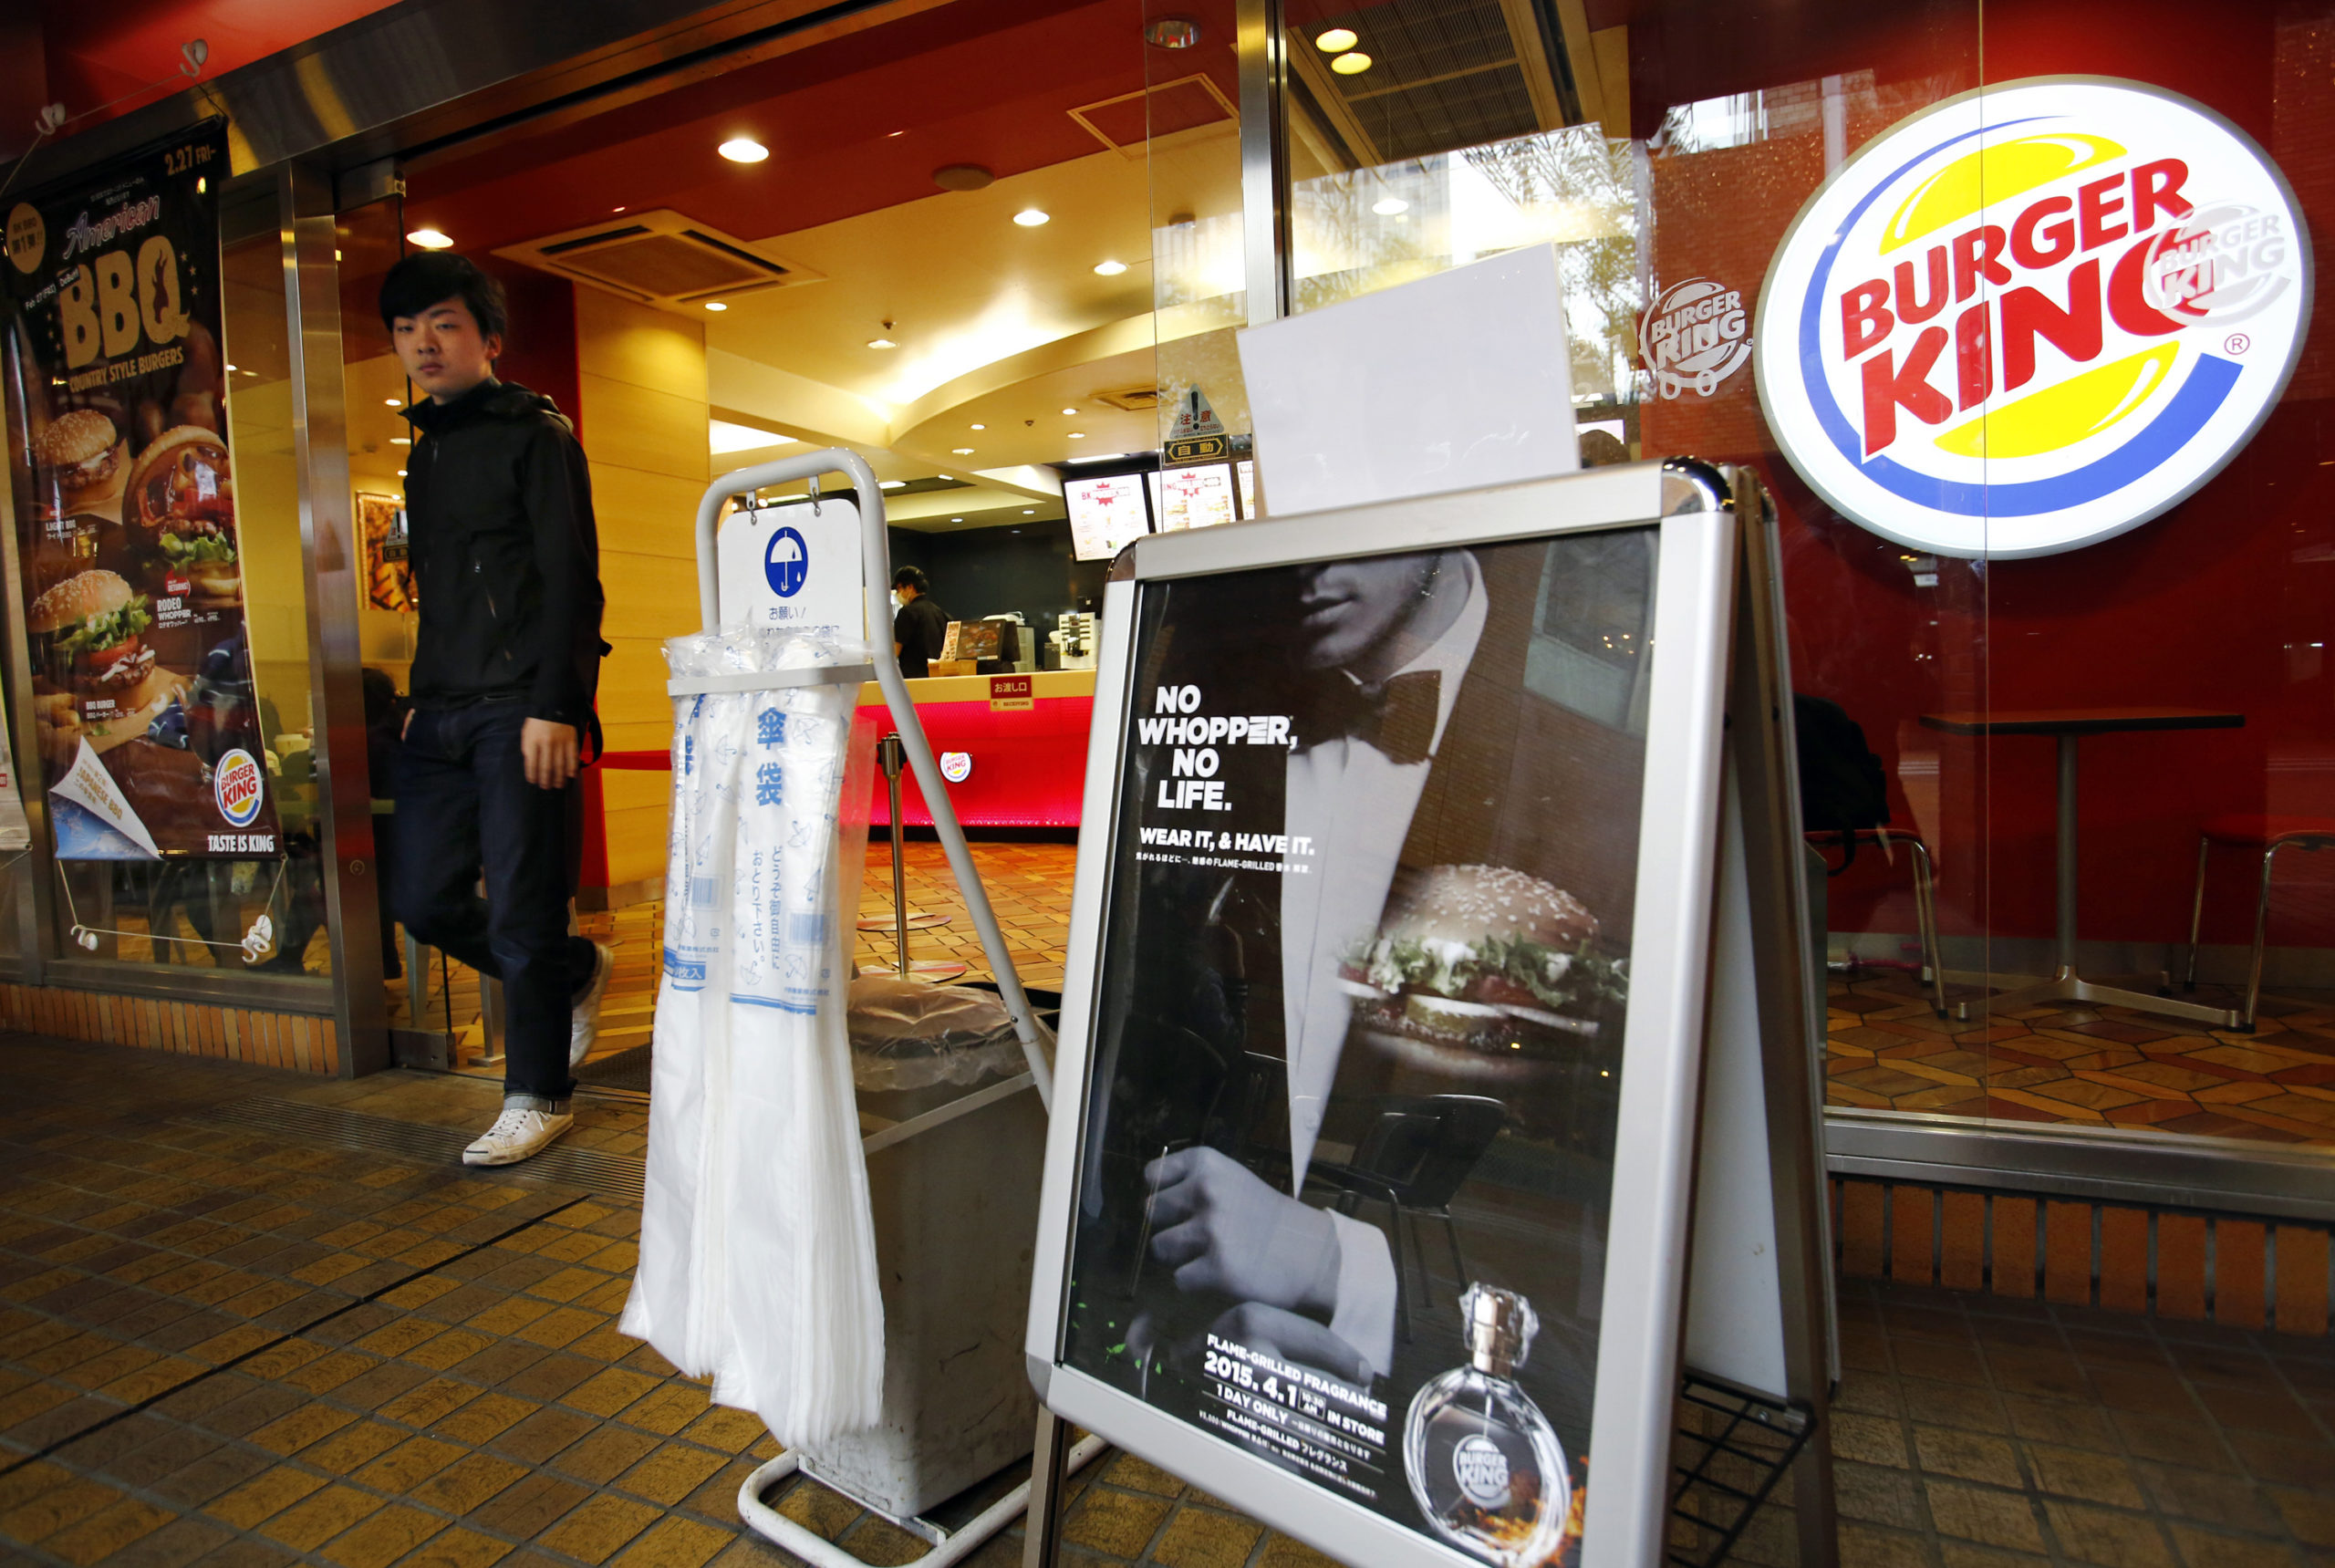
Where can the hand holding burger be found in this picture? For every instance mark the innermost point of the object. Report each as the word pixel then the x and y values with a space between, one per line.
pixel 89 639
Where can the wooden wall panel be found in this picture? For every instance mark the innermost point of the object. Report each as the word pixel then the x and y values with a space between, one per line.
pixel 642 382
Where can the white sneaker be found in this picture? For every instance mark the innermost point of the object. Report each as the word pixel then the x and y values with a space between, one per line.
pixel 517 1135
pixel 584 1020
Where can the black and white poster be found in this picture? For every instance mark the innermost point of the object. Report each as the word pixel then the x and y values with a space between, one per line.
pixel 1348 1148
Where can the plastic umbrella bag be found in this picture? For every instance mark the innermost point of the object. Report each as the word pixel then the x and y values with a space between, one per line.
pixel 676 1302
pixel 758 1263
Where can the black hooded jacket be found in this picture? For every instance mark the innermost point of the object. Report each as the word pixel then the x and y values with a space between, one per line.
pixel 506 556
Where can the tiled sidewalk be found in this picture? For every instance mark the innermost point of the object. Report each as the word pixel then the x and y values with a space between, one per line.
pixel 244 1351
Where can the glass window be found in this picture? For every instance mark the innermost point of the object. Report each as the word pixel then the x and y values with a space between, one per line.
pixel 195 913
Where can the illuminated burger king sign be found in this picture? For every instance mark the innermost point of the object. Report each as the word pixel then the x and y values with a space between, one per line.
pixel 2032 317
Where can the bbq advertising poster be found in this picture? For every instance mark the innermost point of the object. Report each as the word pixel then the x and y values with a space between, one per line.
pixel 1358 1048
pixel 116 385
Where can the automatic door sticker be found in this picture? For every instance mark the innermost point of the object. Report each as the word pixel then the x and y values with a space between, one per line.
pixel 1697 336
pixel 2033 316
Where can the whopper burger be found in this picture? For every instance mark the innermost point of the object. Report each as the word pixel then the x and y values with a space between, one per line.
pixel 97 679
pixel 1483 956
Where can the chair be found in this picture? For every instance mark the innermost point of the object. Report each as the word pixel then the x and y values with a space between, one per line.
pixel 2267 834
pixel 1413 1158
pixel 1924 893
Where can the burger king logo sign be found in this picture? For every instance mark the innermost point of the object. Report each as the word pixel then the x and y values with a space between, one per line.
pixel 235 784
pixel 2032 317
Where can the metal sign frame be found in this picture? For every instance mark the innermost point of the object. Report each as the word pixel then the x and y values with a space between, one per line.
pixel 1637 1361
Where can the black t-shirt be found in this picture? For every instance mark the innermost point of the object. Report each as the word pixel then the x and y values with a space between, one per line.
pixel 920 629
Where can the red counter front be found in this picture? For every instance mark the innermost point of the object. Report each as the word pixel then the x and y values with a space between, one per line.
pixel 1026 767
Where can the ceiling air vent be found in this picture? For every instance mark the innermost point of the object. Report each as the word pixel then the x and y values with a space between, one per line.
pixel 1134 399
pixel 660 258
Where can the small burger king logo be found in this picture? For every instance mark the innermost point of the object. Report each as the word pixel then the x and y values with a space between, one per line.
pixel 237 785
pixel 2033 316
pixel 1697 336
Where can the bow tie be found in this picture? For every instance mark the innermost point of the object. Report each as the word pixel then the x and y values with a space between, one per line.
pixel 1398 716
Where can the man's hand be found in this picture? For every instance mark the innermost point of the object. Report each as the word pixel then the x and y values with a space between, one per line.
pixel 1286 1337
pixel 1222 1228
pixel 549 752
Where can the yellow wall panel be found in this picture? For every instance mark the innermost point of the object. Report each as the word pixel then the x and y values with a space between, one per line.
pixel 636 844
pixel 654 429
pixel 642 384
pixel 654 513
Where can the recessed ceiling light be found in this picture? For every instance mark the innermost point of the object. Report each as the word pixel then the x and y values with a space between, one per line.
pixel 980 427
pixel 1078 435
pixel 615 209
pixel 1387 206
pixel 1336 41
pixel 400 441
pixel 890 134
pixel 231 367
pixel 1351 64
pixel 743 150
pixel 960 451
pixel 1109 268
pixel 881 343
pixel 1030 217
pixel 401 474
pixel 1029 511
pixel 715 304
pixel 430 239
pixel 956 520
pixel 891 483
pixel 394 402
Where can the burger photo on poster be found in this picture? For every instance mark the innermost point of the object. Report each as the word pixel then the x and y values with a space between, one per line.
pixel 180 505
pixel 79 453
pixel 1482 959
pixel 96 678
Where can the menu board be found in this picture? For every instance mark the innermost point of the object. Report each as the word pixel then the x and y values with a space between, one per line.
pixel 125 502
pixel 1199 497
pixel 1106 514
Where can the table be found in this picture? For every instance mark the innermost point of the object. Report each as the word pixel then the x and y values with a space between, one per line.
pixel 2068 726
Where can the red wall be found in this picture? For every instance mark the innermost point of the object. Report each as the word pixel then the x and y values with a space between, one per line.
pixel 2213 605
pixel 87 53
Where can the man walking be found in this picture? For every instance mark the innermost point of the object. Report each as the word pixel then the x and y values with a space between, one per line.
pixel 506 569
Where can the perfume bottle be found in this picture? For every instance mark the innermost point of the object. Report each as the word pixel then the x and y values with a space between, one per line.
pixel 1484 1463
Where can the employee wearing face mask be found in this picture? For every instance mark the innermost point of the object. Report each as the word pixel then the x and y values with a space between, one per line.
pixel 920 627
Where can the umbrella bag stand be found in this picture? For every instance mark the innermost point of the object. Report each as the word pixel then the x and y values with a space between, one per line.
pixel 952 1171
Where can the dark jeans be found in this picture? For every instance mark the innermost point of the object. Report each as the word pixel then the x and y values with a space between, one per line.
pixel 464 803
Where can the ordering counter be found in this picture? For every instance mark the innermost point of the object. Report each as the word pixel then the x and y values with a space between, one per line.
pixel 1012 747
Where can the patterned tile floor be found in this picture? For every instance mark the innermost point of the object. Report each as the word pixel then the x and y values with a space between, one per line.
pixel 242 1351
pixel 2096 1066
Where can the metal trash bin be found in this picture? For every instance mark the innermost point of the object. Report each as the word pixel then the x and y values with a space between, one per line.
pixel 954 1173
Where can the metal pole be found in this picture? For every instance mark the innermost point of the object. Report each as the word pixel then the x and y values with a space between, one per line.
pixel 346 860
pixel 2067 854
pixel 1260 47
pixel 888 753
pixel 1042 1533
pixel 877 574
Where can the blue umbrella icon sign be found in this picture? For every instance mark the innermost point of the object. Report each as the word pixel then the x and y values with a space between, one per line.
pixel 786 562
